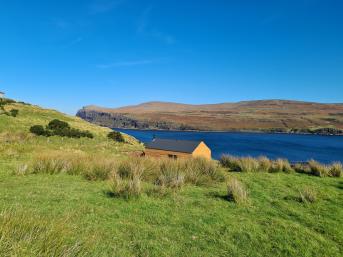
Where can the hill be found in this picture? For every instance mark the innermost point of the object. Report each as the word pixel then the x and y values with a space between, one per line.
pixel 16 130
pixel 264 115
pixel 65 196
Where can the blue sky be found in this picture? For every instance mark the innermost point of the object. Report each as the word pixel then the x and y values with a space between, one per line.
pixel 67 54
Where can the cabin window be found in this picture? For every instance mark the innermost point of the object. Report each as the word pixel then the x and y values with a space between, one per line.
pixel 172 156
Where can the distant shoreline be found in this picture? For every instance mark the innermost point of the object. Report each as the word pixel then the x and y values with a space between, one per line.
pixel 231 131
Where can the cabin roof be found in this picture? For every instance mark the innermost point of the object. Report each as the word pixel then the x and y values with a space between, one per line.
pixel 183 146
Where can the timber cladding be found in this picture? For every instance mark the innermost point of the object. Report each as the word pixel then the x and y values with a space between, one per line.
pixel 177 149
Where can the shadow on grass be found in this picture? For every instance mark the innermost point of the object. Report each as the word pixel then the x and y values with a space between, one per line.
pixel 340 185
pixel 293 198
pixel 219 196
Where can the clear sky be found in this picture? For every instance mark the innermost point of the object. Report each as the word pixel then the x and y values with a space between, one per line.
pixel 69 53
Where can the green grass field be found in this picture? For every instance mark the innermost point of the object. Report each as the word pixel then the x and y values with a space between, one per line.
pixel 67 215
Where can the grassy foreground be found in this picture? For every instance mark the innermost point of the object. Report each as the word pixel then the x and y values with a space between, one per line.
pixel 67 215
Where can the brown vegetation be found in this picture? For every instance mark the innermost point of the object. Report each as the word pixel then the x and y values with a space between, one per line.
pixel 267 115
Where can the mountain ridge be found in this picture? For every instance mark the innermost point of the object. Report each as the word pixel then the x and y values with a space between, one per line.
pixel 257 115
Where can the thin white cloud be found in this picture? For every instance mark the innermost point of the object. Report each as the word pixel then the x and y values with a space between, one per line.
pixel 125 64
pixel 145 28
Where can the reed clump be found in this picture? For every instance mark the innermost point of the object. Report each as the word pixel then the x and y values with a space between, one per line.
pixel 263 164
pixel 307 195
pixel 236 191
pixel 318 169
pixel 249 164
pixel 282 165
pixel 336 170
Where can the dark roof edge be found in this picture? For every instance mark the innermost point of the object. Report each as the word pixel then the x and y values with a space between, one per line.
pixel 169 150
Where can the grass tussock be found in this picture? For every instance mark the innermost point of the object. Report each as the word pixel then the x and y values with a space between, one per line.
pixel 236 191
pixel 163 175
pixel 263 164
pixel 130 187
pixel 25 234
pixel 92 168
pixel 307 195
pixel 336 170
pixel 249 164
pixel 282 165
pixel 318 169
pixel 126 176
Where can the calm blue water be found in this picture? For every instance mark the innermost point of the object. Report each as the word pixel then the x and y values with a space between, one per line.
pixel 293 147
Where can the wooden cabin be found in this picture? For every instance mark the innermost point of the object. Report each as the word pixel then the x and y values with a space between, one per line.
pixel 177 149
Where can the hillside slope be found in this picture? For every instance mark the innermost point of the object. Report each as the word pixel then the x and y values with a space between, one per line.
pixel 264 115
pixel 17 143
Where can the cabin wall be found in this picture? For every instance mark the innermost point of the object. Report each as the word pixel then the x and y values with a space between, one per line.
pixel 202 151
pixel 162 153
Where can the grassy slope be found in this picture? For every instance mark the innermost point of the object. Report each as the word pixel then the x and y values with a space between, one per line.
pixel 195 222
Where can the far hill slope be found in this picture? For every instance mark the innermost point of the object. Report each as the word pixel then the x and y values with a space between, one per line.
pixel 264 115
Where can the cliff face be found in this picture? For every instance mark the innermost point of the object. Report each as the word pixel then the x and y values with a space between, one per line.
pixel 118 120
pixel 266 115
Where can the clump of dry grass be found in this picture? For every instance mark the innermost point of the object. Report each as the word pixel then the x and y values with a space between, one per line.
pixel 92 168
pixel 126 188
pixel 14 137
pixel 99 170
pixel 264 163
pixel 249 164
pixel 244 164
pixel 236 191
pixel 281 165
pixel 318 169
pixel 336 170
pixel 302 168
pixel 23 234
pixel 307 195
pixel 21 170
pixel 171 174
pixel 230 162
pixel 200 171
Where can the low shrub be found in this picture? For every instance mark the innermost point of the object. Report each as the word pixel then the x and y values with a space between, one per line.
pixel 307 195
pixel 236 191
pixel 38 130
pixel 318 169
pixel 336 170
pixel 116 136
pixel 14 112
pixel 57 125
pixel 59 128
